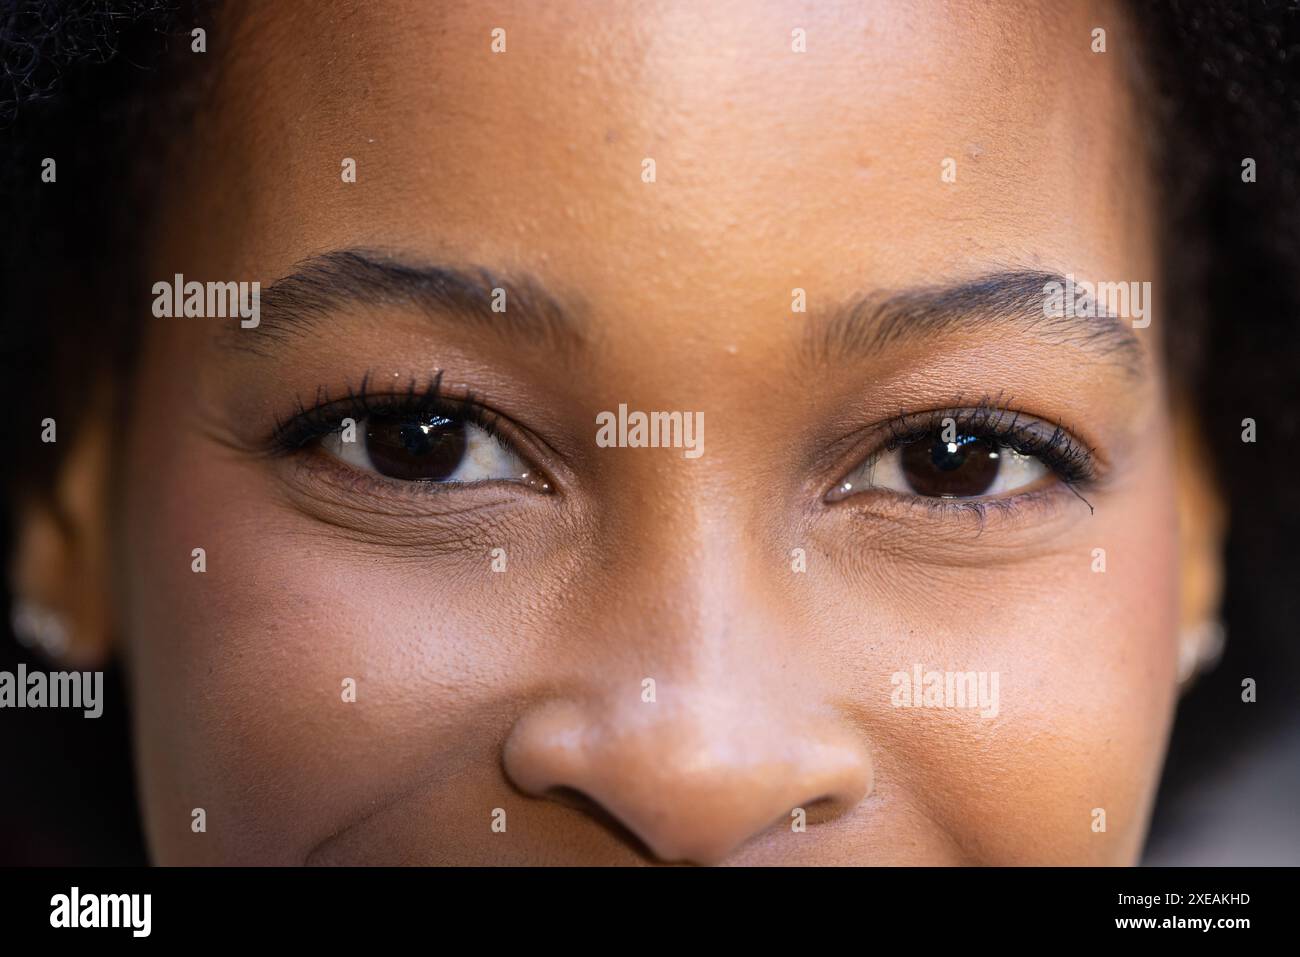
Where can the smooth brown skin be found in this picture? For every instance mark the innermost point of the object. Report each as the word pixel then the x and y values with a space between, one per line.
pixel 478 690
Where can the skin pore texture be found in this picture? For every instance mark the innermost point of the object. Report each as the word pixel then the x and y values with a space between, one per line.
pixel 522 690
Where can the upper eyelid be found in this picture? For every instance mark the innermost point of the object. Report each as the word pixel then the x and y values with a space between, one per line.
pixel 294 431
pixel 977 418
pixel 998 418
pixel 858 449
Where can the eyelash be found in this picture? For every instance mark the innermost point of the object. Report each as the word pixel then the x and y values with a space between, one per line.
pixel 325 416
pixel 1074 463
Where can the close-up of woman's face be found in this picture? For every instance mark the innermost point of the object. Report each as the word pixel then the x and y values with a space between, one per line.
pixel 665 433
pixel 483 632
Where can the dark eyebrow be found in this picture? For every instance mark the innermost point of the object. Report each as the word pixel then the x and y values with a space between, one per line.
pixel 323 285
pixel 996 301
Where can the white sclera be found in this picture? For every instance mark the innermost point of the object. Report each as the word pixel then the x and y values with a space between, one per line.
pixel 1016 471
pixel 486 458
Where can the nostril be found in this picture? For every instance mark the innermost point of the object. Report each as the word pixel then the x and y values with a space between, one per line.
pixel 682 788
pixel 821 809
pixel 572 797
pixel 581 801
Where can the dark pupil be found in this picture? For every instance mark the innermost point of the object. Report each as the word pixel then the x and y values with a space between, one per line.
pixel 421 448
pixel 964 469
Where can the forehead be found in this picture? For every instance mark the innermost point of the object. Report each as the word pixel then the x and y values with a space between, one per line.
pixel 773 168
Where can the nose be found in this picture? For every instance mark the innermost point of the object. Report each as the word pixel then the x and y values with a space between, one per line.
pixel 693 777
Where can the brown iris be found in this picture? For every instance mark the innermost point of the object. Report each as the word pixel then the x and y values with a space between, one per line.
pixel 420 448
pixel 965 468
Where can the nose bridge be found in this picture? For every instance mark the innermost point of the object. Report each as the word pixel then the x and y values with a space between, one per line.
pixel 688 589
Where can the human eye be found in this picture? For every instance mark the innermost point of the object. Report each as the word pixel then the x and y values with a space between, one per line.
pixel 972 455
pixel 420 438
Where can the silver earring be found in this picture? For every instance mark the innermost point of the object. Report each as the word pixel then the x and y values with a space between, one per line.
pixel 1200 647
pixel 36 626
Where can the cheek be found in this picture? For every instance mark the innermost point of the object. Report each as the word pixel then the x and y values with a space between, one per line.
pixel 1085 663
pixel 299 677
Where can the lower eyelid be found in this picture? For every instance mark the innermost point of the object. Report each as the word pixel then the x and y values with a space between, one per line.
pixel 397 521
pixel 324 479
pixel 1036 508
